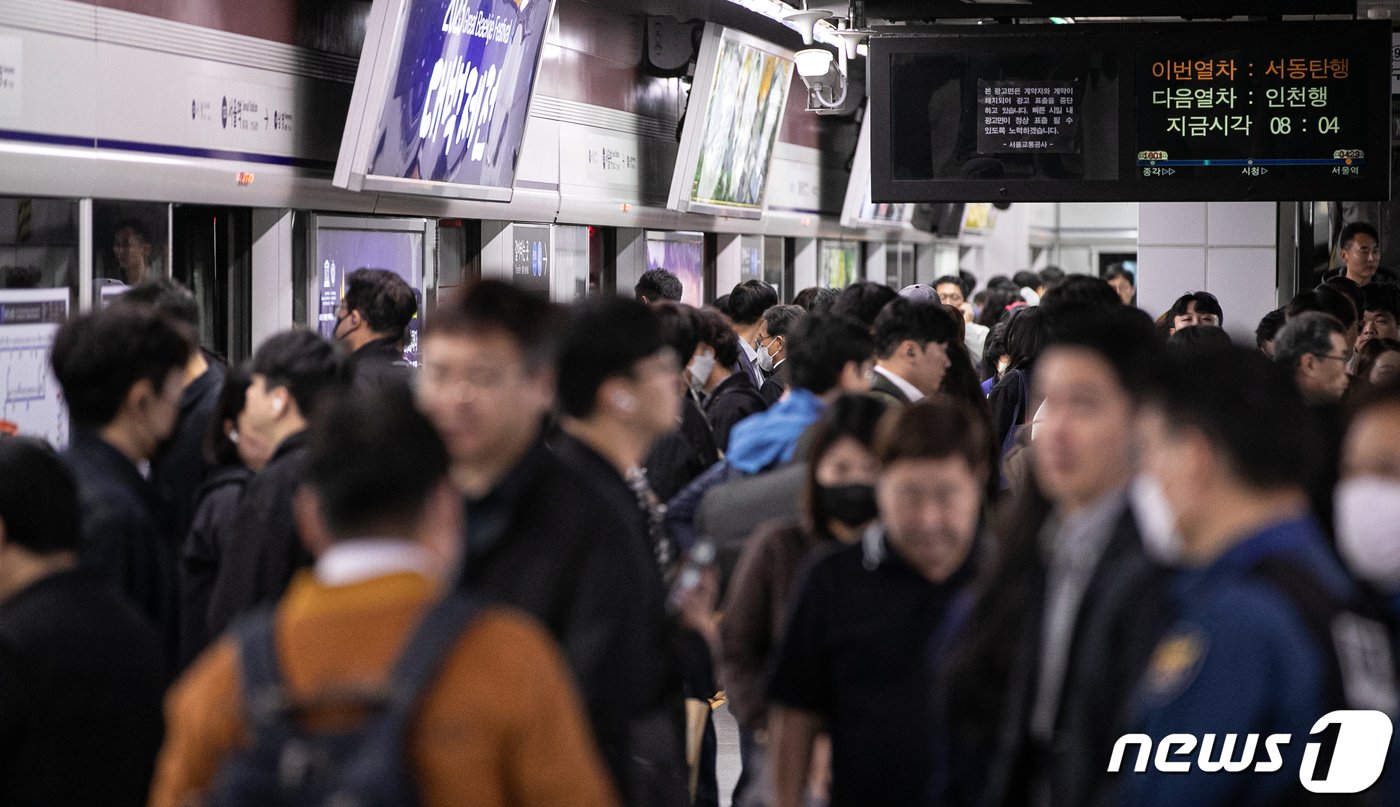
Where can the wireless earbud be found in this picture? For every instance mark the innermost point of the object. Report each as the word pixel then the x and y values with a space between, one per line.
pixel 624 401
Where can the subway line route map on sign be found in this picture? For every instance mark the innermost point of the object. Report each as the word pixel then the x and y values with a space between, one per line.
pixel 30 401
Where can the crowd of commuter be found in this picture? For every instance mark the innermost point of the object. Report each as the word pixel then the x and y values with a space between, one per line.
pixel 931 547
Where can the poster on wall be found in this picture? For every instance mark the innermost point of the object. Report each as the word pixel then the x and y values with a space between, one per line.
pixel 341 251
pixel 978 217
pixel 682 255
pixel 839 264
pixel 731 125
pixel 31 403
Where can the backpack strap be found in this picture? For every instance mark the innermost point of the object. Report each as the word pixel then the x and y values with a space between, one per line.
pixel 256 635
pixel 1321 611
pixel 375 774
pixel 1314 605
pixel 437 633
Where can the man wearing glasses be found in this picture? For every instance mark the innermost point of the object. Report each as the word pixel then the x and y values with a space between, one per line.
pixel 1361 252
pixel 1313 345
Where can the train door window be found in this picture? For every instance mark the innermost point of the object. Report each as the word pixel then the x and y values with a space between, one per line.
pixel 946 259
pixel 130 243
pixel 459 255
pixel 899 265
pixel 838 263
pixel 750 257
pixel 211 249
pixel 602 260
pixel 572 263
pixel 683 255
pixel 775 265
pixel 1108 261
pixel 39 244
pixel 338 245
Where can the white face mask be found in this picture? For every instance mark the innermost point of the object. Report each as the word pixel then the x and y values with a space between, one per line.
pixel 1368 529
pixel 699 370
pixel 1002 366
pixel 1155 519
pixel 765 359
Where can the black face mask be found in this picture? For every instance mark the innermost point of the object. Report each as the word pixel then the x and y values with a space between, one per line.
pixel 852 505
pixel 336 336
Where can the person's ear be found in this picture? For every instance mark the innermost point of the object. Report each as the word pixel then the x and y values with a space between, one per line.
pixel 614 394
pixel 1197 458
pixel 540 387
pixel 311 524
pixel 853 378
pixel 278 400
pixel 140 396
pixel 625 401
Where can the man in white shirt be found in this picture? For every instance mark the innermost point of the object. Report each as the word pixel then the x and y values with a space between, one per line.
pixel 911 350
pixel 497 722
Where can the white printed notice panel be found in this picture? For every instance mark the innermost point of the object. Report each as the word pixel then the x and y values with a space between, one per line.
pixel 30 401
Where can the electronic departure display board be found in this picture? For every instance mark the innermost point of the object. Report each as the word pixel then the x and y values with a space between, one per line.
pixel 1218 112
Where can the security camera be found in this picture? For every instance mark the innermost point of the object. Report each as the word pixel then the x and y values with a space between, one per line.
pixel 825 80
pixel 813 63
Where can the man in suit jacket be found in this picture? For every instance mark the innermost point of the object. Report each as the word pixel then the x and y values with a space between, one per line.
pixel 778 322
pixel 1100 600
pixel 747 303
pixel 911 349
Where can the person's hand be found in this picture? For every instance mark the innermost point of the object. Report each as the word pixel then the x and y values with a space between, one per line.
pixel 697 605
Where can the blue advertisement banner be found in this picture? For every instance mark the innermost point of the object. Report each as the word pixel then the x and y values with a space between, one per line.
pixel 461 91
pixel 684 259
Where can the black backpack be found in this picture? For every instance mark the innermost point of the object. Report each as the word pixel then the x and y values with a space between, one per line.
pixel 1360 662
pixel 287 765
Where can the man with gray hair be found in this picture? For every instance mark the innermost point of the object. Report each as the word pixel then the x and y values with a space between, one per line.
pixel 1313 346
